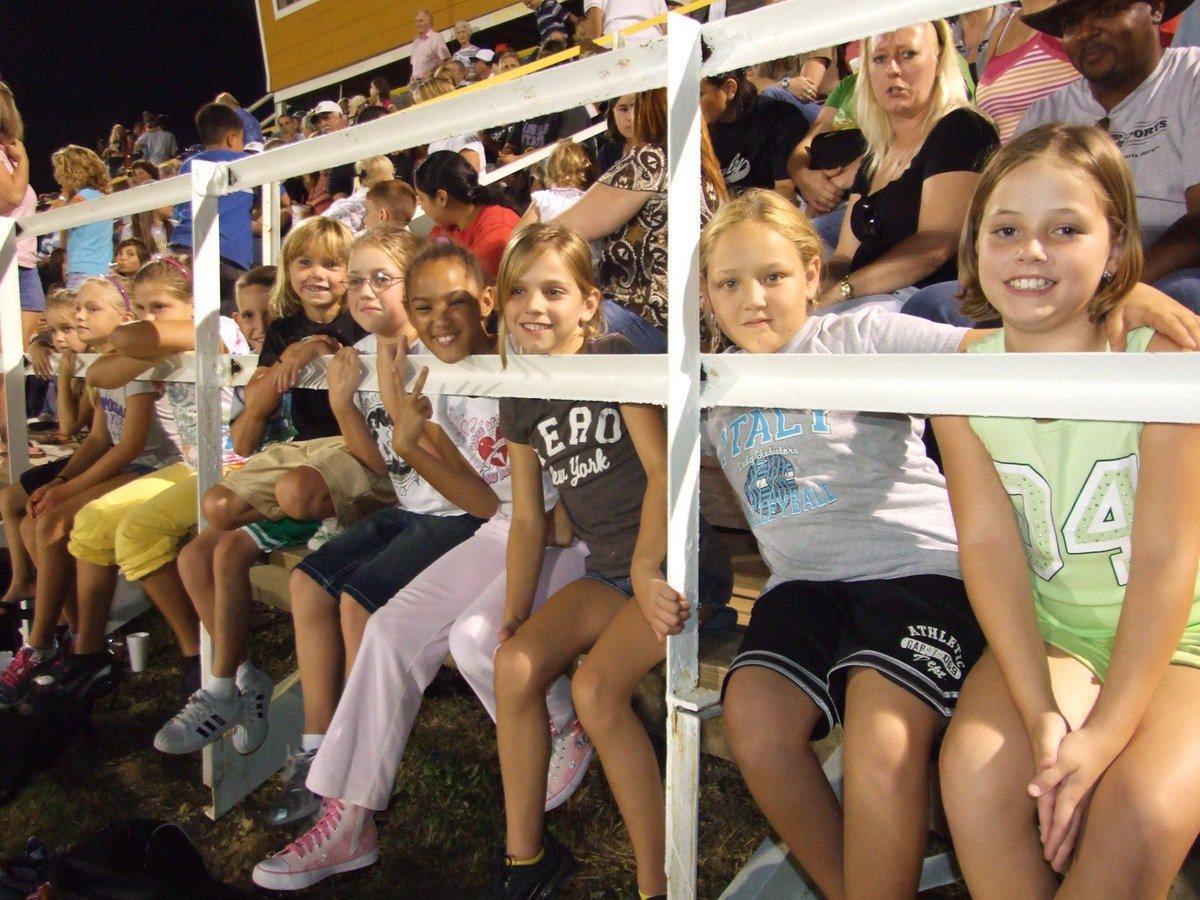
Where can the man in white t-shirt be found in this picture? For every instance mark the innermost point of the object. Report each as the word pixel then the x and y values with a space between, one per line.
pixel 610 16
pixel 1148 99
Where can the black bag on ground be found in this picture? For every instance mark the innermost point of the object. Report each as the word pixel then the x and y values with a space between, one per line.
pixel 33 736
pixel 138 859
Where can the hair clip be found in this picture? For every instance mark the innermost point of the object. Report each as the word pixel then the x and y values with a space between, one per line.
pixel 115 281
pixel 172 261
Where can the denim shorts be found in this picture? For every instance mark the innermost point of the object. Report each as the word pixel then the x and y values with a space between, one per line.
pixel 713 589
pixel 376 557
pixel 30 286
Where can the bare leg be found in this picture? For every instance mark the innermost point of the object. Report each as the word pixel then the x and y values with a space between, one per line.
pixel 986 766
pixel 354 623
pixel 12 507
pixel 94 594
pixel 541 650
pixel 889 736
pixel 235 553
pixel 225 510
pixel 56 578
pixel 303 494
pixel 768 722
pixel 1145 811
pixel 318 650
pixel 196 572
pixel 165 589
pixel 603 692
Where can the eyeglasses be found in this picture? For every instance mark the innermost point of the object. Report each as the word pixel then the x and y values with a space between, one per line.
pixel 379 281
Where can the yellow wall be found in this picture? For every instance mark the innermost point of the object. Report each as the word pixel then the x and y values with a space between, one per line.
pixel 329 34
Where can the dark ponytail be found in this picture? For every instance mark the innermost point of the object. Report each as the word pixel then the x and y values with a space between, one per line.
pixel 447 171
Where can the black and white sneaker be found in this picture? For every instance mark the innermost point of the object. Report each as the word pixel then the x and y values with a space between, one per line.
pixel 254 688
pixel 202 721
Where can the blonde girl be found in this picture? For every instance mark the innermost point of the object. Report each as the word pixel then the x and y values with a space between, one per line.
pixel 608 461
pixel 139 528
pixel 570 171
pixel 453 605
pixel 1082 714
pixel 130 437
pixel 82 176
pixel 18 199
pixel 74 408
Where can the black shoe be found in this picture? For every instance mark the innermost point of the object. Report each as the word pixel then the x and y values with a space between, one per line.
pixel 89 676
pixel 539 881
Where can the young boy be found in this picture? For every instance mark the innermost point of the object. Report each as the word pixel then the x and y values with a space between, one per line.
pixel 551 19
pixel 390 202
pixel 253 315
pixel 220 130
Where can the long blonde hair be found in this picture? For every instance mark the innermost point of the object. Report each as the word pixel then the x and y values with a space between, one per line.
pixel 949 93
pixel 317 237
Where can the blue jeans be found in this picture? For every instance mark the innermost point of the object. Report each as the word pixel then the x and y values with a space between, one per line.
pixel 377 556
pixel 1182 286
pixel 644 336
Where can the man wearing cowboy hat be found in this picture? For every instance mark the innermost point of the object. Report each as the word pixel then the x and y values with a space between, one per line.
pixel 1148 99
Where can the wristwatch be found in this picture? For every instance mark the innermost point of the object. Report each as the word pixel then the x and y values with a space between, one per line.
pixel 784 82
pixel 845 288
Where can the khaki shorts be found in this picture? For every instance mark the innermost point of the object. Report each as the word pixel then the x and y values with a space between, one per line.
pixel 356 490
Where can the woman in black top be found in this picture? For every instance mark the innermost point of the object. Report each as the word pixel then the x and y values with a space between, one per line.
pixel 926 147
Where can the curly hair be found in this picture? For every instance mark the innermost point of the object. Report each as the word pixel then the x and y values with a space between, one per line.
pixel 76 168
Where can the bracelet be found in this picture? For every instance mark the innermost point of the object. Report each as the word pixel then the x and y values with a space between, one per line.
pixel 61 478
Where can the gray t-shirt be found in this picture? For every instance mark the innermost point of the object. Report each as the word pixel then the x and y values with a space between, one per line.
pixel 586 449
pixel 841 496
pixel 157 146
pixel 163 446
pixel 1157 128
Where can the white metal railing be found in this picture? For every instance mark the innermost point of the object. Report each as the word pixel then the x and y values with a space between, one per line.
pixel 1113 387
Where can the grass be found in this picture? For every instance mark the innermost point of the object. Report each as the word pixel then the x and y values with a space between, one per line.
pixel 438 838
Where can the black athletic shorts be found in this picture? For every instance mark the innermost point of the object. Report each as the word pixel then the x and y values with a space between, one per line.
pixel 917 631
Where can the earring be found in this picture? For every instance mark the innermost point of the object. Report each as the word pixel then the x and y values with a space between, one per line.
pixel 1106 277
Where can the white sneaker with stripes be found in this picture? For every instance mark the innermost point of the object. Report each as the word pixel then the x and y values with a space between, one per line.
pixel 203 720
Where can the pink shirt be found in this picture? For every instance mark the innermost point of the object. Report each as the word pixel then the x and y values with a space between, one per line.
pixel 427 52
pixel 27 244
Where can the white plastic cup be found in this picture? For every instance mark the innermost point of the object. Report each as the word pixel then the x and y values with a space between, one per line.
pixel 139 646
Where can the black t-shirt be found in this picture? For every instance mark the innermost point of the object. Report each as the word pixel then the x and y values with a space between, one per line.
pixel 961 142
pixel 754 149
pixel 543 130
pixel 586 448
pixel 341 180
pixel 311 413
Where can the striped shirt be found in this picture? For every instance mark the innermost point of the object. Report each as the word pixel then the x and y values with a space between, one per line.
pixel 551 17
pixel 1012 81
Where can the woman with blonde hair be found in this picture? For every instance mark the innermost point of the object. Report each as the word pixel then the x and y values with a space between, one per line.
pixel 925 148
pixel 18 199
pixel 82 176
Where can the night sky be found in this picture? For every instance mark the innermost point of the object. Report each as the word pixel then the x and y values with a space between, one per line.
pixel 78 66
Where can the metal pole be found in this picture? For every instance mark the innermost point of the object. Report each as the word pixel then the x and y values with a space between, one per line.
pixel 683 446
pixel 13 350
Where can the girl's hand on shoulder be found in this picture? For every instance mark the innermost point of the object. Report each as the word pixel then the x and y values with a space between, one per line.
pixel 343 376
pixel 1064 787
pixel 664 608
pixel 1146 306
pixel 39 360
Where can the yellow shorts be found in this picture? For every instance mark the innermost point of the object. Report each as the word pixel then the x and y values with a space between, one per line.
pixel 98 525
pixel 356 490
